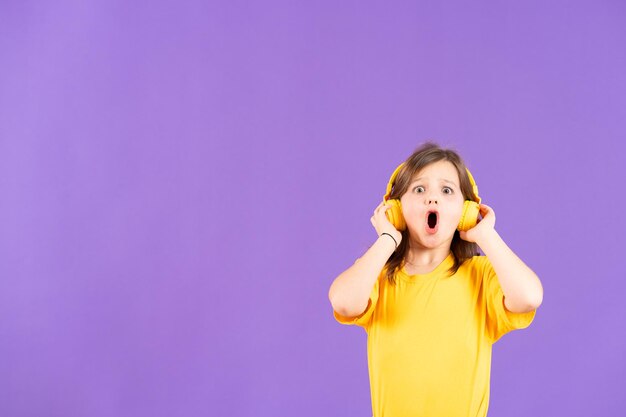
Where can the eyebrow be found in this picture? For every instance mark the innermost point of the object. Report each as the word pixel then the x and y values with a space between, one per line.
pixel 441 179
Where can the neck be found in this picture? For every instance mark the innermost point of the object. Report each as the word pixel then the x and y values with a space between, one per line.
pixel 426 257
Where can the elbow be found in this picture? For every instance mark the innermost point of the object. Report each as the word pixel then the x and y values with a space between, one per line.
pixel 338 306
pixel 343 308
pixel 333 301
pixel 337 298
pixel 346 310
pixel 331 295
pixel 520 306
pixel 536 301
pixel 532 304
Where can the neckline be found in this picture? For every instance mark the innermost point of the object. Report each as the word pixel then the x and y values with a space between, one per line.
pixel 438 271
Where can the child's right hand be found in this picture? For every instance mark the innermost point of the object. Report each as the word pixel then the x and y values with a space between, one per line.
pixel 382 224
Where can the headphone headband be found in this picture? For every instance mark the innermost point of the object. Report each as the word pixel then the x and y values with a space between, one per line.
pixel 395 174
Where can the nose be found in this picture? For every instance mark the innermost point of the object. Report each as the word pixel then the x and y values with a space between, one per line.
pixel 431 200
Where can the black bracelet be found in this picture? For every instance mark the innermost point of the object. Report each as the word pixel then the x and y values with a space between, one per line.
pixel 394 239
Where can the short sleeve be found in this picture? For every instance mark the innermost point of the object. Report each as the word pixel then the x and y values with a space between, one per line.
pixel 500 320
pixel 364 318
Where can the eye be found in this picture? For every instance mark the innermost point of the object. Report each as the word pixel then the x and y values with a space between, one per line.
pixel 448 188
pixel 419 186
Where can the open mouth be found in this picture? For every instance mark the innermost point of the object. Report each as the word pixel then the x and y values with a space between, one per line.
pixel 433 217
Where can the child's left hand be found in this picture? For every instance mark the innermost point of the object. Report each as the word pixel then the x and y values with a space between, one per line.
pixel 483 227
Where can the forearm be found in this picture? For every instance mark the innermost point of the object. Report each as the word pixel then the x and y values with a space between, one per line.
pixel 350 291
pixel 521 287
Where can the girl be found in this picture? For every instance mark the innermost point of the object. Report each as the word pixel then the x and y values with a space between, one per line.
pixel 431 305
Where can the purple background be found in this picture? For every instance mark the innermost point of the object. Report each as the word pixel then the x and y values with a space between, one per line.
pixel 182 181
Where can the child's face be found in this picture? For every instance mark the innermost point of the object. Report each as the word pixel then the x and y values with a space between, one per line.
pixel 435 188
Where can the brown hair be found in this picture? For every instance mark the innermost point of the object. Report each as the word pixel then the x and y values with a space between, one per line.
pixel 426 154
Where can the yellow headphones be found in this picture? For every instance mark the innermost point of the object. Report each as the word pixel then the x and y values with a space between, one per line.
pixel 469 218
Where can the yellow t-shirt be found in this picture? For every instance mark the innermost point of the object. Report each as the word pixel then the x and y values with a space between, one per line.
pixel 429 339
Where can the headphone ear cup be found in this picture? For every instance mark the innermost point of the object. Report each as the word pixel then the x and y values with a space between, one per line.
pixel 469 218
pixel 394 214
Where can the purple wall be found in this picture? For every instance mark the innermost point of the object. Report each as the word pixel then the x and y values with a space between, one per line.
pixel 180 184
